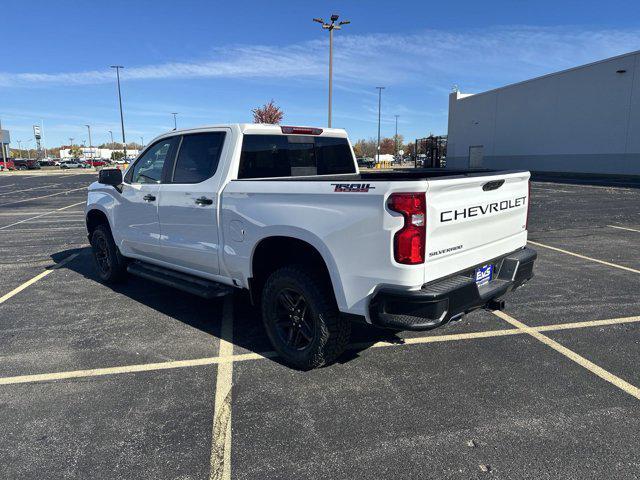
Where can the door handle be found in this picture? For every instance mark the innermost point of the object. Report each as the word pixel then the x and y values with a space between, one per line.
pixel 149 198
pixel 204 201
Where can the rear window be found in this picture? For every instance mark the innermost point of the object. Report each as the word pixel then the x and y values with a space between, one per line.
pixel 265 156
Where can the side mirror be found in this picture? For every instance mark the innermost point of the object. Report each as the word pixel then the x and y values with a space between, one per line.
pixel 110 176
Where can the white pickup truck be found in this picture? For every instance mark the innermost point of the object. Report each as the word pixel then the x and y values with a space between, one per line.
pixel 284 213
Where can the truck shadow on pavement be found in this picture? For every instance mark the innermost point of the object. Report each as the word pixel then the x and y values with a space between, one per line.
pixel 206 315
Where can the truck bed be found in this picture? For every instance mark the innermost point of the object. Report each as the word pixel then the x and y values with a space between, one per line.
pixel 405 174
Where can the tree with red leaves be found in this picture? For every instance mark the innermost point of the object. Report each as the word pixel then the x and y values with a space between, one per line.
pixel 387 146
pixel 268 113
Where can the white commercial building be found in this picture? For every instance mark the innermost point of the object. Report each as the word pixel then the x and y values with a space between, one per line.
pixel 96 153
pixel 582 120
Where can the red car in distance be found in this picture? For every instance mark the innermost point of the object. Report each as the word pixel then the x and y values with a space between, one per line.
pixel 97 163
pixel 8 166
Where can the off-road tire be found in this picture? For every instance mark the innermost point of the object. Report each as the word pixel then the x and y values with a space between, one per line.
pixel 111 266
pixel 331 332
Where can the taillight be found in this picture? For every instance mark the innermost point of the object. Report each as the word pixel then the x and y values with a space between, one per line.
pixel 409 241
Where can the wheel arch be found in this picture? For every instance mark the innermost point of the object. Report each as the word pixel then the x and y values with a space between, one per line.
pixel 276 251
pixel 95 217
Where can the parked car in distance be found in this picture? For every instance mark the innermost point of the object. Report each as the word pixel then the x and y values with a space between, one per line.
pixel 26 164
pixel 46 162
pixel 366 162
pixel 7 164
pixel 73 164
pixel 97 163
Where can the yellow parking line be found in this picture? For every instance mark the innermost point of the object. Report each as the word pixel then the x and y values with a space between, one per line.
pixel 228 358
pixel 220 464
pixel 624 228
pixel 41 215
pixel 588 324
pixel 609 264
pixel 571 355
pixel 40 276
pixel 438 338
pixel 98 372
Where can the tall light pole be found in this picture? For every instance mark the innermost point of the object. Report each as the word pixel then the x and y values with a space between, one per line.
pixel 28 149
pixel 396 137
pixel 124 142
pixel 90 144
pixel 331 27
pixel 141 142
pixel 175 122
pixel 46 155
pixel 111 133
pixel 379 110
pixel 4 155
pixel 20 147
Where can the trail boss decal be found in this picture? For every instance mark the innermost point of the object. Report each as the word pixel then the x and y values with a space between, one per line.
pixel 352 187
pixel 477 210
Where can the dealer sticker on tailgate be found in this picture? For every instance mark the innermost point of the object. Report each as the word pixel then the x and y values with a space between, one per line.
pixel 484 274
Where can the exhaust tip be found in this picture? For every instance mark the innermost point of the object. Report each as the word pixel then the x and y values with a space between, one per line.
pixel 495 305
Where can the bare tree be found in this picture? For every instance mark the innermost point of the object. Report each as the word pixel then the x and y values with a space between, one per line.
pixel 268 113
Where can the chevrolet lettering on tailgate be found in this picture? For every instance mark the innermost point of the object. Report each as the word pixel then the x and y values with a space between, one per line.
pixel 476 210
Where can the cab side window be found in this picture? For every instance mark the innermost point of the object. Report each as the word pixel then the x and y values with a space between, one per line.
pixel 148 168
pixel 198 157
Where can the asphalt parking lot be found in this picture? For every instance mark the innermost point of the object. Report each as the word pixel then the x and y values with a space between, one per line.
pixel 140 381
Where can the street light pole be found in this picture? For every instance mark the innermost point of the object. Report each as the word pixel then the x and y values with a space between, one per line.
pixel 46 154
pixel 90 144
pixel 124 142
pixel 175 123
pixel 111 133
pixel 379 110
pixel 396 137
pixel 4 155
pixel 331 27
pixel 141 142
pixel 20 147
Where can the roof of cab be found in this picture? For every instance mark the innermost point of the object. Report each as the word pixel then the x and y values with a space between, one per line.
pixel 259 128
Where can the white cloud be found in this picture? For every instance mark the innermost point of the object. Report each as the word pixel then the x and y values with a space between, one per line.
pixel 432 58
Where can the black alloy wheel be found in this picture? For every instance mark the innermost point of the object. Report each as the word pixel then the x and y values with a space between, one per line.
pixel 102 255
pixel 293 323
pixel 301 317
pixel 110 264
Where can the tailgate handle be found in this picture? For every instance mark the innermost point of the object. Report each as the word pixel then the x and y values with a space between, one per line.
pixel 492 185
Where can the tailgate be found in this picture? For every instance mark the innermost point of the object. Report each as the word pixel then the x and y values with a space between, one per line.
pixel 471 220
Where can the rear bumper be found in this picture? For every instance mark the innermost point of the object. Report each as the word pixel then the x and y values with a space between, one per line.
pixel 438 302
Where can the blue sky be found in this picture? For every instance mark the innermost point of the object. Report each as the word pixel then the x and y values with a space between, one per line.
pixel 214 61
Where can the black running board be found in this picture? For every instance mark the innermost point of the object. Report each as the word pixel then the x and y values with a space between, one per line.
pixel 182 281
